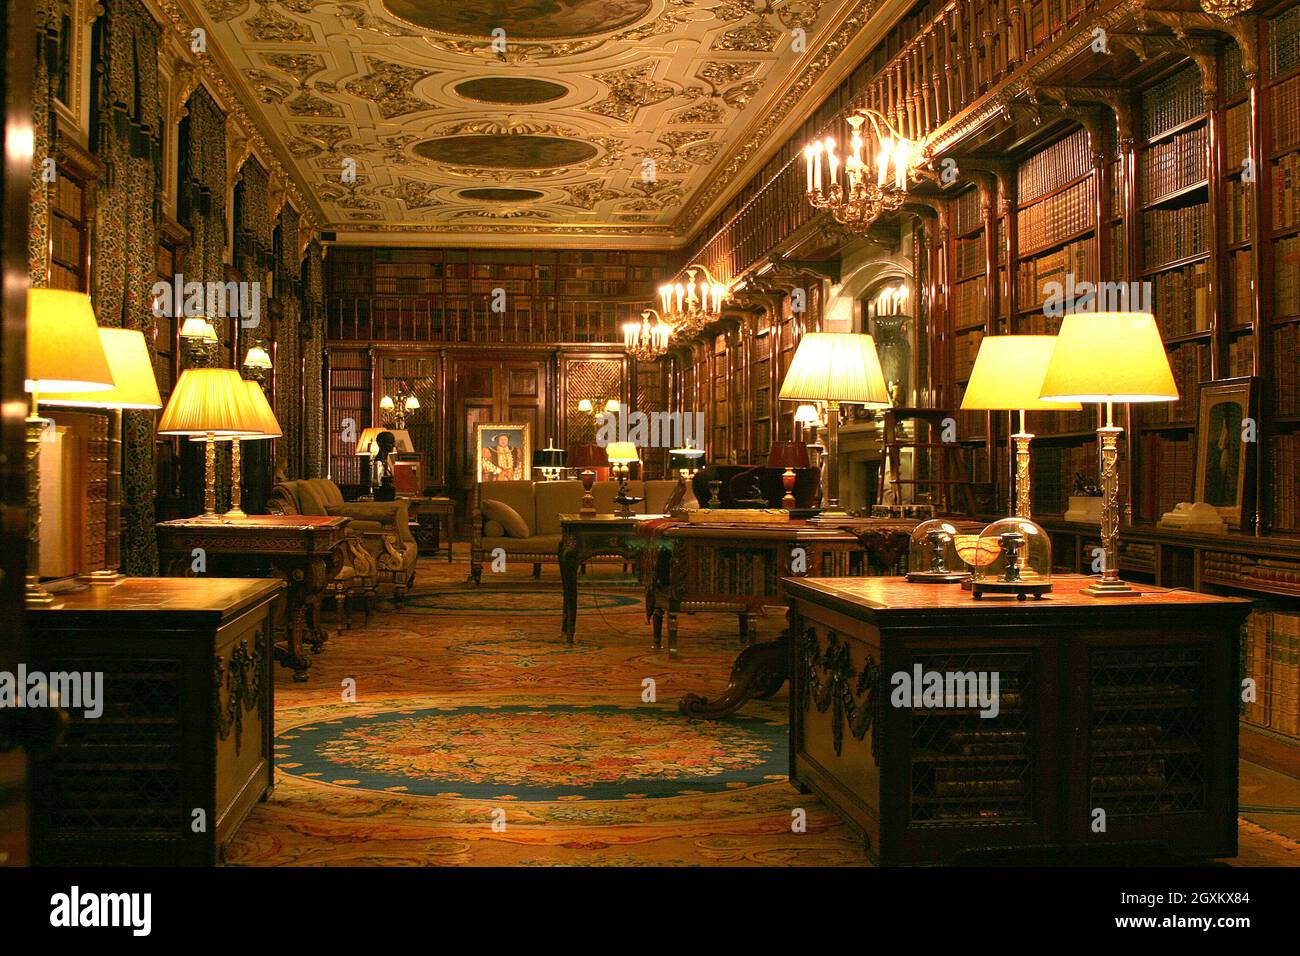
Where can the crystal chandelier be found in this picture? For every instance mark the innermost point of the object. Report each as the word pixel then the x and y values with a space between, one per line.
pixel 693 305
pixel 866 188
pixel 1226 9
pixel 647 339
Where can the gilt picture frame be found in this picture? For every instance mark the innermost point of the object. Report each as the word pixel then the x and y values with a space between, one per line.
pixel 502 451
pixel 1226 440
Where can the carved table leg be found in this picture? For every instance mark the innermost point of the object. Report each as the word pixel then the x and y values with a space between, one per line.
pixel 659 628
pixel 292 655
pixel 759 671
pixel 570 558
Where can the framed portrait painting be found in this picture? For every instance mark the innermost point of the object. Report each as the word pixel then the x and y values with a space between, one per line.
pixel 1225 443
pixel 502 452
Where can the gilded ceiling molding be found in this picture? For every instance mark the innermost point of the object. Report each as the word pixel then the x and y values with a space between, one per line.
pixel 209 73
pixel 269 26
pixel 794 96
pixel 390 86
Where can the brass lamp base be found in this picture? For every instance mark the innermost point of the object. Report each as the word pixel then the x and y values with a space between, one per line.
pixel 106 576
pixel 1102 588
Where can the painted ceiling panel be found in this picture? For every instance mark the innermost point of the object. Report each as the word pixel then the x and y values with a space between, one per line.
pixel 602 118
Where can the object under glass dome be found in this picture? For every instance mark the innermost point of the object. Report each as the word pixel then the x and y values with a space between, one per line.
pixel 932 554
pixel 1010 556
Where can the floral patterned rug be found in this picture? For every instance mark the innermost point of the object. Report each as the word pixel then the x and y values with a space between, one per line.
pixel 463 731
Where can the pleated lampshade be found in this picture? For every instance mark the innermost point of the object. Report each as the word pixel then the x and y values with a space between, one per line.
pixel 210 400
pixel 134 385
pixel 64 350
pixel 837 367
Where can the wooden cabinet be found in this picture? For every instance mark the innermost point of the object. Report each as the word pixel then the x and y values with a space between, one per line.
pixel 1111 727
pixel 181 752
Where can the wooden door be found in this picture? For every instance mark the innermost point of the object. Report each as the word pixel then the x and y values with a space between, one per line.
pixel 495 390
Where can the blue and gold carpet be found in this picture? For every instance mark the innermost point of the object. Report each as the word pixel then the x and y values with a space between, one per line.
pixel 462 731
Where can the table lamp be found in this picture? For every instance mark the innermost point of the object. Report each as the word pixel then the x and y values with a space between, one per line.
pixel 267 427
pixel 1007 376
pixel 807 416
pixel 550 461
pixel 621 455
pixel 587 456
pixel 212 403
pixel 835 368
pixel 686 461
pixel 134 387
pixel 1109 357
pixel 64 354
pixel 788 455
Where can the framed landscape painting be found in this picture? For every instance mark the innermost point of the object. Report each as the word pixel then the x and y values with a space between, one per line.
pixel 502 452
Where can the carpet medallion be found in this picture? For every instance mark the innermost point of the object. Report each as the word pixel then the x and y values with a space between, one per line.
pixel 463 731
pixel 547 752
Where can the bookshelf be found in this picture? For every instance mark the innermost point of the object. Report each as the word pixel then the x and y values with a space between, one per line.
pixel 487 295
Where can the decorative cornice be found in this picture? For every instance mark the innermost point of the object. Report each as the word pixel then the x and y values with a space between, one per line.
pixel 182 23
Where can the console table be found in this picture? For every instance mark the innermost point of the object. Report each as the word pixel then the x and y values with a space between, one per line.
pixel 186 726
pixel 305 551
pixel 1115 730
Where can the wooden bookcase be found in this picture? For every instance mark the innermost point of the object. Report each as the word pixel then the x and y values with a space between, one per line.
pixel 487 295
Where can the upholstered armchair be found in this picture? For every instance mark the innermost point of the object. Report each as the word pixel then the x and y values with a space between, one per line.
pixel 383 526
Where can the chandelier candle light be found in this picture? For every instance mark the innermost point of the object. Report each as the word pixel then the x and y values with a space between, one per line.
pixel 1109 357
pixel 865 188
pixel 647 339
pixel 693 305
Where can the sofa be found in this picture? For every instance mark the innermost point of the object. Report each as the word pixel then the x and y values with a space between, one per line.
pixel 383 526
pixel 539 504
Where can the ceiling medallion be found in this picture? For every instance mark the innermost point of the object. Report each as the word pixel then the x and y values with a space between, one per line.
pixel 691 305
pixel 647 339
pixel 867 188
pixel 1226 9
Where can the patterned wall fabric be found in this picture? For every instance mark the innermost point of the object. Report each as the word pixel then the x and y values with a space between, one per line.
pixel 201 199
pixel 126 136
pixel 38 233
pixel 289 396
pixel 313 345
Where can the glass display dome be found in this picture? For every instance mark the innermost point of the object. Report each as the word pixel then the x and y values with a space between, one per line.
pixel 1011 556
pixel 932 554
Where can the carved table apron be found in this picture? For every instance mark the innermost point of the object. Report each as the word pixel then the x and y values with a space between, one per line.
pixel 305 551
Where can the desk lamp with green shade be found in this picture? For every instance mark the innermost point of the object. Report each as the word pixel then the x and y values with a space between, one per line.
pixel 1109 357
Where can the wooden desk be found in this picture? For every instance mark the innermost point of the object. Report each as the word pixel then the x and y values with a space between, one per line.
pixel 187 720
pixel 590 536
pixel 1124 706
pixel 740 568
pixel 304 551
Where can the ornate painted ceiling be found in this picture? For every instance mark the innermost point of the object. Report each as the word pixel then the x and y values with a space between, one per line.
pixel 446 120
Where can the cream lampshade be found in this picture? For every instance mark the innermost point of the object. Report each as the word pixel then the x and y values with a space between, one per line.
pixel 64 350
pixel 198 329
pixel 366 443
pixel 258 357
pixel 835 368
pixel 209 402
pixel 64 353
pixel 1007 376
pixel 267 427
pixel 1109 357
pixel 134 385
pixel 621 453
